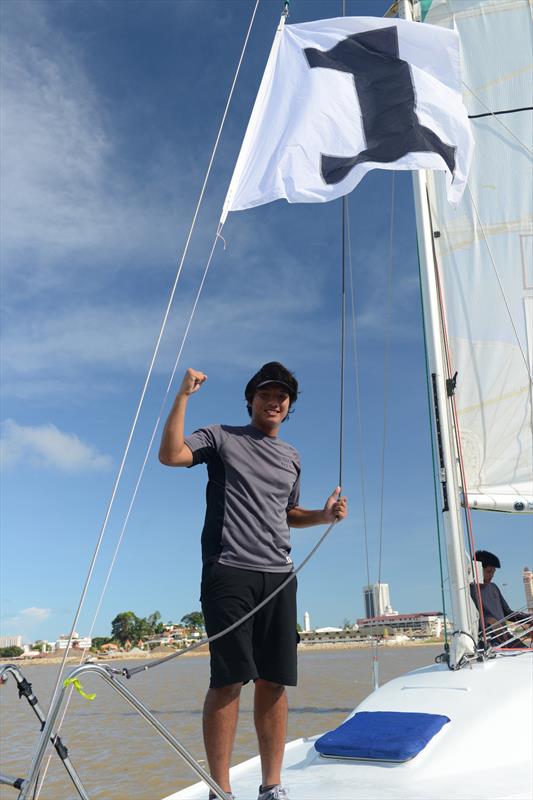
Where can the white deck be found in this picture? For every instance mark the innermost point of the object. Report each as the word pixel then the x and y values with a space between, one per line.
pixel 485 752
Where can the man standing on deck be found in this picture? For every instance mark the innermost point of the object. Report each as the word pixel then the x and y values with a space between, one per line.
pixel 252 500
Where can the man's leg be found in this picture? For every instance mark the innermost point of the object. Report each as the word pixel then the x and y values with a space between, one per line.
pixel 270 717
pixel 221 710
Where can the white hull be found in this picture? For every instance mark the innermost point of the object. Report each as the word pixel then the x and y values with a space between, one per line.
pixel 485 752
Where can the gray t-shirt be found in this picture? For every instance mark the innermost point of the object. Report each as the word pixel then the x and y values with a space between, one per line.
pixel 254 479
pixel 494 604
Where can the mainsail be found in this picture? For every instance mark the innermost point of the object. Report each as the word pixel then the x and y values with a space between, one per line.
pixel 485 252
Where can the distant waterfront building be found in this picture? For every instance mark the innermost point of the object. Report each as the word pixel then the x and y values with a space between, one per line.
pixel 527 577
pixel 329 630
pixel 307 622
pixel 10 641
pixel 422 623
pixel 377 600
pixel 80 642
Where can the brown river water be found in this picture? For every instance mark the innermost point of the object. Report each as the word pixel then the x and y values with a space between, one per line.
pixel 118 756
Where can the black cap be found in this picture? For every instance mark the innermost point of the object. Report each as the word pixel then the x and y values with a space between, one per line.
pixel 272 372
pixel 488 559
pixel 277 383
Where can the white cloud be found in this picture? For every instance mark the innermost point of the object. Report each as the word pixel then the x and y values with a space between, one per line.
pixel 54 142
pixel 73 219
pixel 32 614
pixel 252 302
pixel 25 622
pixel 47 446
pixel 27 617
pixel 66 194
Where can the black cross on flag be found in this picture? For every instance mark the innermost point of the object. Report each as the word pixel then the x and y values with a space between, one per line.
pixel 386 98
pixel 343 96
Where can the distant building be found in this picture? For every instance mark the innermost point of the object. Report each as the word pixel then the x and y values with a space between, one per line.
pixel 422 623
pixel 10 641
pixel 329 630
pixel 79 642
pixel 328 635
pixel 176 631
pixel 527 577
pixel 307 622
pixel 377 600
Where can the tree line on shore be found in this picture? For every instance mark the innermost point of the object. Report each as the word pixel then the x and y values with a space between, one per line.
pixel 127 627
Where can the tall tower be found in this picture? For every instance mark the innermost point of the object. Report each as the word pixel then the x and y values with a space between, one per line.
pixel 381 592
pixel 377 600
pixel 527 577
pixel 368 595
pixel 307 622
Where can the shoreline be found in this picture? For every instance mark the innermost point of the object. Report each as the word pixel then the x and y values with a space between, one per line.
pixel 203 651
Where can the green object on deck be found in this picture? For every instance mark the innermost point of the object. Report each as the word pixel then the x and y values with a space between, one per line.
pixel 79 688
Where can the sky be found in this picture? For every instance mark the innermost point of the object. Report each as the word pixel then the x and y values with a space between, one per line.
pixel 110 111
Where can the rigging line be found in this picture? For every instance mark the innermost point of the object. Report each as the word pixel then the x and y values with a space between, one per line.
pixel 358 394
pixel 496 114
pixel 157 422
pixel 343 340
pixel 386 360
pixel 343 322
pixel 153 359
pixel 502 290
pixel 138 483
pixel 129 673
pixel 360 433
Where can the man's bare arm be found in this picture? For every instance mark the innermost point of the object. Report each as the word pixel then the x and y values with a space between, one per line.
pixel 336 508
pixel 173 452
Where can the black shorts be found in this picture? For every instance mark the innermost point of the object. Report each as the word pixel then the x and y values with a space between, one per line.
pixel 262 647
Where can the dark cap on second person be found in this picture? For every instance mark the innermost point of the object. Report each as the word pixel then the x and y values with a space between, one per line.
pixel 488 559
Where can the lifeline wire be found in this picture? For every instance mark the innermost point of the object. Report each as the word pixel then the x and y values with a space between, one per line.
pixel 150 370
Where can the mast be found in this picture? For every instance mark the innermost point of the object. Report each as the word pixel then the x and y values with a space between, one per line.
pixel 462 611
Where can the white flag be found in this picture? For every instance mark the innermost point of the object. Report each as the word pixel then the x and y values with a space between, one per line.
pixel 340 97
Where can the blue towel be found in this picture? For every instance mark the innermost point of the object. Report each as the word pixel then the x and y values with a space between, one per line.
pixel 381 735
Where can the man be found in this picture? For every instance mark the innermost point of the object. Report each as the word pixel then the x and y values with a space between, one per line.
pixel 252 500
pixel 496 610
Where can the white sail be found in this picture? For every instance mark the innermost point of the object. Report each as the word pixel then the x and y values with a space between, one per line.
pixel 488 240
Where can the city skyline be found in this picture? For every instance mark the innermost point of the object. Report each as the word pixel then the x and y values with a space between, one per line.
pixel 376 604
